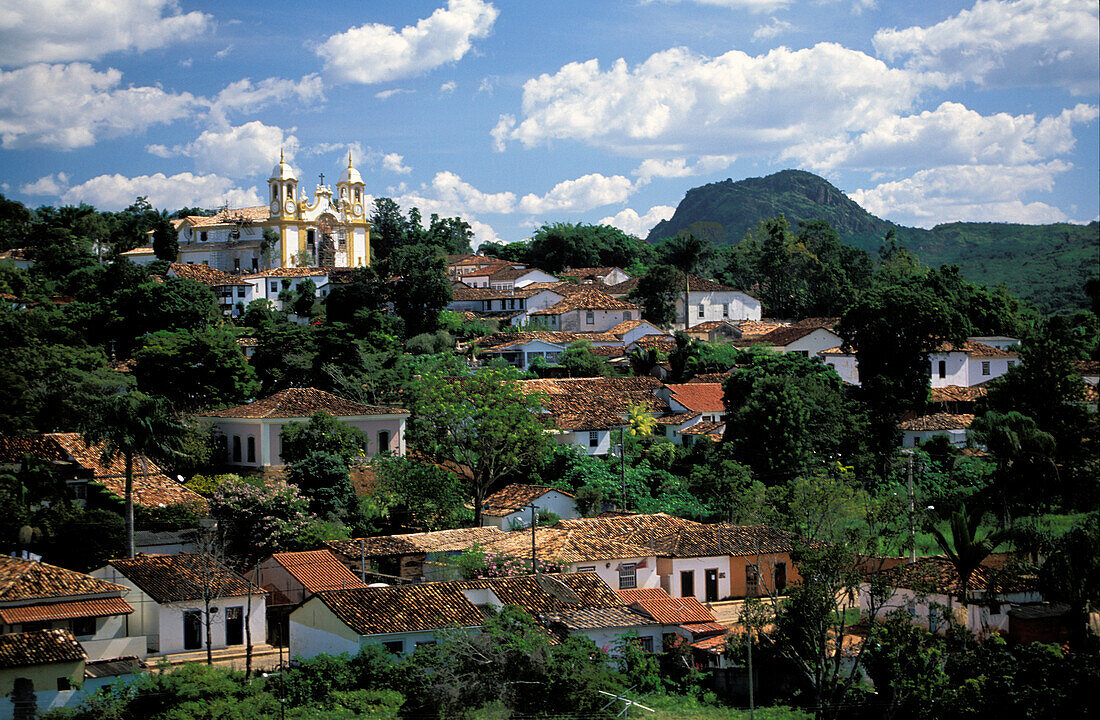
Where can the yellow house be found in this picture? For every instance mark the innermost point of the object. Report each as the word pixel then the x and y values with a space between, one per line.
pixel 36 663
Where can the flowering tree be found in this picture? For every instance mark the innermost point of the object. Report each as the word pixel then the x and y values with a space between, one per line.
pixel 256 520
pixel 476 564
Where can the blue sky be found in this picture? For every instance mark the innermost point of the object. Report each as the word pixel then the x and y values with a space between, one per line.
pixel 514 113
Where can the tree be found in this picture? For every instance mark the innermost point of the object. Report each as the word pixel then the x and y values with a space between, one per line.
pixel 966 550
pixel 687 254
pixel 905 662
pixel 388 227
pixel 1071 574
pixel 579 361
pixel 134 426
pixel 1026 473
pixel 195 369
pixel 323 477
pixel 421 288
pixel 657 290
pixel 322 433
pixel 568 245
pixel 420 496
pixel 484 426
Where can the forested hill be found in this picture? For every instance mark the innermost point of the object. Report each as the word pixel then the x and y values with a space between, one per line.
pixel 1045 264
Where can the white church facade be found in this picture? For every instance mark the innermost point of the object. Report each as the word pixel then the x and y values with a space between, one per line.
pixel 328 230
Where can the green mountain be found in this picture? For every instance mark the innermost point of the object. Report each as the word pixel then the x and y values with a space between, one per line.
pixel 1044 264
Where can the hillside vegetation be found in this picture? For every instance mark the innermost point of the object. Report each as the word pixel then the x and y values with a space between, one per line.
pixel 1044 264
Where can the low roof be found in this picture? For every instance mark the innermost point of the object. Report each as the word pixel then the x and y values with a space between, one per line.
pixel 699 397
pixel 567 545
pixel 99 607
pixel 318 570
pixel 976 349
pixel 598 618
pixel 958 393
pixel 597 403
pixel 39 647
pixel 548 592
pixel 151 489
pixel 783 336
pixel 937 574
pixel 588 297
pixel 23 580
pixel 717 539
pixel 282 272
pixel 705 428
pixel 205 275
pixel 516 497
pixel 667 610
pixel 938 421
pixel 411 543
pixel 401 608
pixel 229 216
pixel 186 576
pixel 298 402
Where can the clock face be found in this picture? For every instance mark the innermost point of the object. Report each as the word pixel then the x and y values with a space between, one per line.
pixel 289 207
pixel 275 207
pixel 357 210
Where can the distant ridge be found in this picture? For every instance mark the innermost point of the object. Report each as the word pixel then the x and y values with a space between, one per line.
pixel 1044 264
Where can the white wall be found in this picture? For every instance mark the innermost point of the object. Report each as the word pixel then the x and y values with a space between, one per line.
pixel 846 367
pixel 739 307
pixel 645 577
pixel 814 343
pixel 911 437
pixel 307 641
pixel 171 622
pixel 955 369
pixel 553 501
pixel 699 566
pixel 580 438
pixel 608 638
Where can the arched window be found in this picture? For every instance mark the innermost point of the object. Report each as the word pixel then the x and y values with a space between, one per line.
pixel 236 448
pixel 251 449
pixel 383 441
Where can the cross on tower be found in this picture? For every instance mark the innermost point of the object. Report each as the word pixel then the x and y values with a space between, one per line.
pixel 322 178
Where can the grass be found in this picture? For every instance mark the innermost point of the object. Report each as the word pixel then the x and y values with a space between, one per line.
pixel 680 707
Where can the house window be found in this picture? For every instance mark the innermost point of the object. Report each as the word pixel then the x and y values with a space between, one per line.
pixel 251 448
pixel 236 264
pixel 383 441
pixel 275 287
pixel 593 438
pixel 687 583
pixel 394 647
pixel 942 368
pixel 627 316
pixel 752 581
pixel 702 311
pixel 646 642
pixel 590 318
pixel 83 626
pixel 587 568
pixel 780 576
pixel 236 448
pixel 63 683
pixel 240 292
pixel 725 309
pixel 985 367
pixel 628 577
pixel 202 236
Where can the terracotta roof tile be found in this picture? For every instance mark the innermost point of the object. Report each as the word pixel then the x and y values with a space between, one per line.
pixel 318 570
pixel 668 610
pixel 584 272
pixel 957 393
pixel 41 647
pixel 410 543
pixel 754 329
pixel 678 419
pixel 597 618
pixel 594 403
pixel 938 421
pixel 566 545
pixel 22 580
pixel 151 489
pixel 698 540
pixel 783 336
pixel 205 275
pixel 302 402
pixel 710 325
pixel 937 574
pixel 976 349
pixel 587 298
pixel 282 272
pixel 514 497
pixel 705 428
pixel 186 576
pixel 100 607
pixel 707 629
pixel 548 592
pixel 700 397
pixel 228 216
pixel 402 608
pixel 715 644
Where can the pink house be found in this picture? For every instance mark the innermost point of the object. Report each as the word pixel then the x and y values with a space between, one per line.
pixel 252 430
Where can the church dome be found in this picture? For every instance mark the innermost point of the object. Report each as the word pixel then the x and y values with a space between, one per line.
pixel 351 175
pixel 282 171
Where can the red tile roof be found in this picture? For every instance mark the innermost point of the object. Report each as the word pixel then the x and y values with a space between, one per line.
pixel 22 580
pixel 151 489
pixel 976 349
pixel 957 393
pixel 186 576
pixel 705 428
pixel 548 592
pixel 699 397
pixel 291 272
pixel 594 403
pixel 401 608
pixel 414 543
pixel 668 610
pixel 302 402
pixel 587 298
pixel 228 216
pixel 938 421
pixel 40 647
pixel 514 497
pixel 318 570
pixel 938 575
pixel 783 336
pixel 100 607
pixel 698 540
pixel 205 275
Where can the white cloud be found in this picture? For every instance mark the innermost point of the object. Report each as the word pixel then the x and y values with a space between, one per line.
pixel 483 233
pixel 33 31
pixel 750 5
pixel 677 101
pixel 679 167
pixel 584 193
pixel 1006 44
pixel 395 163
pixel 451 190
pixel 115 192
pixel 774 28
pixel 966 193
pixel 244 96
pixel 70 106
pixel 224 52
pixel 387 94
pixel 242 151
pixel 488 84
pixel 375 53
pixel 951 134
pixel 629 221
pixel 448 87
pixel 52 185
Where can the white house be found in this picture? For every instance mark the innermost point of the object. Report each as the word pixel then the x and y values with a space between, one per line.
pixel 969 364
pixel 597 275
pixel 269 284
pixel 252 431
pixel 929 590
pixel 511 278
pixel 800 340
pixel 586 310
pixel 926 427
pixel 707 399
pixel 510 507
pixel 230 290
pixel 170 592
pixel 707 301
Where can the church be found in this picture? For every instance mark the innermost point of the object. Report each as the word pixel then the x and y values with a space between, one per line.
pixel 327 231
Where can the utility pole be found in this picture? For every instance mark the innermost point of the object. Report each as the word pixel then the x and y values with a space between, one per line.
pixel 363 560
pixel 534 522
pixel 622 464
pixel 912 511
pixel 752 704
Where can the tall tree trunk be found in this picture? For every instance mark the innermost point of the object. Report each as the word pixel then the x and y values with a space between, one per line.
pixel 687 294
pixel 129 498
pixel 209 632
pixel 248 634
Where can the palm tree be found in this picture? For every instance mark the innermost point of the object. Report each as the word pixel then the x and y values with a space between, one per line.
pixel 134 426
pixel 965 550
pixel 686 253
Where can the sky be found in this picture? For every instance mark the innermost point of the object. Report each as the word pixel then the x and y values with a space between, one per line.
pixel 515 113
